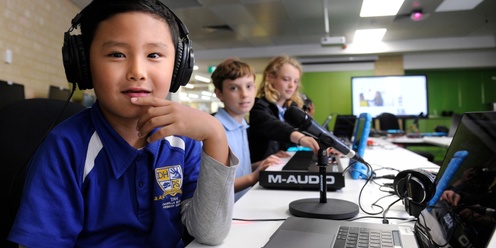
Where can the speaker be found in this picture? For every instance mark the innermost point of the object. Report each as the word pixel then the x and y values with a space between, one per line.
pixel 77 68
pixel 415 187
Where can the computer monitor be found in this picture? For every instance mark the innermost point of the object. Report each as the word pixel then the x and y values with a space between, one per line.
pixel 57 92
pixel 470 221
pixel 344 127
pixel 359 144
pixel 10 92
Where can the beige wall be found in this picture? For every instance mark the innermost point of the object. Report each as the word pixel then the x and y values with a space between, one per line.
pixel 33 30
pixel 389 65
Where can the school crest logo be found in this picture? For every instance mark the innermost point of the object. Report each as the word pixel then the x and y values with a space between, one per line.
pixel 170 179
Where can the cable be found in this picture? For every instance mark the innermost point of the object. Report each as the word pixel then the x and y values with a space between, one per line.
pixel 369 178
pixel 24 166
pixel 385 220
pixel 379 217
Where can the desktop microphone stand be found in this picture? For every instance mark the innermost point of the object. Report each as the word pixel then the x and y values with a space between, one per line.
pixel 323 208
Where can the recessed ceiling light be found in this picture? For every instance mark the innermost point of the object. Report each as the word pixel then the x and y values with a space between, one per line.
pixel 380 7
pixel 455 5
pixel 202 79
pixel 369 35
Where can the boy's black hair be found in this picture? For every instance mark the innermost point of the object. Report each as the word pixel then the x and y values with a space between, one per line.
pixel 75 51
pixel 100 10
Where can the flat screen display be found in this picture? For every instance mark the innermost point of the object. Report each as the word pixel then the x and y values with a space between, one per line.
pixel 59 93
pixel 399 95
pixel 10 92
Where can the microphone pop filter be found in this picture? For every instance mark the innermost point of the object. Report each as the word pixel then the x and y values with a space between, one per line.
pixel 296 117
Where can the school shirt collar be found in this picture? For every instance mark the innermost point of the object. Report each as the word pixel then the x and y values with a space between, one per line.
pixel 281 112
pixel 229 122
pixel 121 154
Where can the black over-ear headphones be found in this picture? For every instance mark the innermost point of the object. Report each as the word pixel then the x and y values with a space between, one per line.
pixel 77 68
pixel 415 187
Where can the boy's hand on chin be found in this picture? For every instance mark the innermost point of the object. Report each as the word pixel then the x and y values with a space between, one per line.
pixel 173 119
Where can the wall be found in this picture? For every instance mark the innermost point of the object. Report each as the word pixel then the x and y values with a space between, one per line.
pixel 457 90
pixel 33 31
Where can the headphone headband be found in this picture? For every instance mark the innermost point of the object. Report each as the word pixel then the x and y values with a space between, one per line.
pixel 76 64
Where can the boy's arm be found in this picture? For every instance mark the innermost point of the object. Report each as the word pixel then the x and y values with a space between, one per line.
pixel 215 144
pixel 207 215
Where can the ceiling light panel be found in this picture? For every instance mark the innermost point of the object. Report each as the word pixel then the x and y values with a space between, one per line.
pixel 380 7
pixel 456 5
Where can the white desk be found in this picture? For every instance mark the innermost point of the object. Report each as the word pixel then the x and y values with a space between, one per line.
pixel 261 203
pixel 439 141
pixel 426 140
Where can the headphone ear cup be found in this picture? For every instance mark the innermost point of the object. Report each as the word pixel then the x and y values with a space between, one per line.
pixel 183 65
pixel 416 188
pixel 75 64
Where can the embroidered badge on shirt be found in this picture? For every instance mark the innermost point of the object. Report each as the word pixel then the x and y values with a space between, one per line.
pixel 170 180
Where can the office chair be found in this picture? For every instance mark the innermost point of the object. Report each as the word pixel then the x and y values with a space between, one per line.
pixel 388 121
pixel 23 125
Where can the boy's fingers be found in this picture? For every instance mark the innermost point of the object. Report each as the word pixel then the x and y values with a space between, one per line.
pixel 148 101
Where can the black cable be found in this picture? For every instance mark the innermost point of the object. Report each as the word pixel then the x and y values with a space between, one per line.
pixel 385 220
pixel 379 217
pixel 380 198
pixel 24 166
pixel 369 178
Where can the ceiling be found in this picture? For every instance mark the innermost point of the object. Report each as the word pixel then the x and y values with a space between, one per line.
pixel 255 30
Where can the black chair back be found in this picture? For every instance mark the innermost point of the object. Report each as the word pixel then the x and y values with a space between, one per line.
pixel 23 125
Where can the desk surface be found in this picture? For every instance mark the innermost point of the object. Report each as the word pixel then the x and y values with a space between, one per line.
pixel 441 141
pixel 263 210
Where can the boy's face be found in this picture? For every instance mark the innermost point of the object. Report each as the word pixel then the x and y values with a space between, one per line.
pixel 237 95
pixel 132 55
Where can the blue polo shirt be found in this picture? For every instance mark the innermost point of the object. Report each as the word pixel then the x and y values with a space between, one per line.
pixel 87 187
pixel 237 138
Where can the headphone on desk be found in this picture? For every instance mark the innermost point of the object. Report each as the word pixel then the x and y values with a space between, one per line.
pixel 76 64
pixel 415 187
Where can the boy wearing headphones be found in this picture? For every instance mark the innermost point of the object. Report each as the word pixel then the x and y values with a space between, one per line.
pixel 134 169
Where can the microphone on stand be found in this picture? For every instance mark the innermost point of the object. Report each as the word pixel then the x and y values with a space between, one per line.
pixel 322 207
pixel 299 119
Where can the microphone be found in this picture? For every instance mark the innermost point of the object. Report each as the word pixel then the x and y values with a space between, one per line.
pixel 299 119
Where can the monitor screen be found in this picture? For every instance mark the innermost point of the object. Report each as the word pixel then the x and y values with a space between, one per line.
pixel 60 93
pixel 399 95
pixel 10 92
pixel 344 126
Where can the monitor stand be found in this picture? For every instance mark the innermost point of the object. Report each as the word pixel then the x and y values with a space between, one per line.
pixel 323 207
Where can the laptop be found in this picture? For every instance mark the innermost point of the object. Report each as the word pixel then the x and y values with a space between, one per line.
pixel 10 92
pixel 455 121
pixel 359 144
pixel 440 224
pixel 344 127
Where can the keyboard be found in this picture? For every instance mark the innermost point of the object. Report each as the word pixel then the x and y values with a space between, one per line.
pixel 302 172
pixel 366 237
